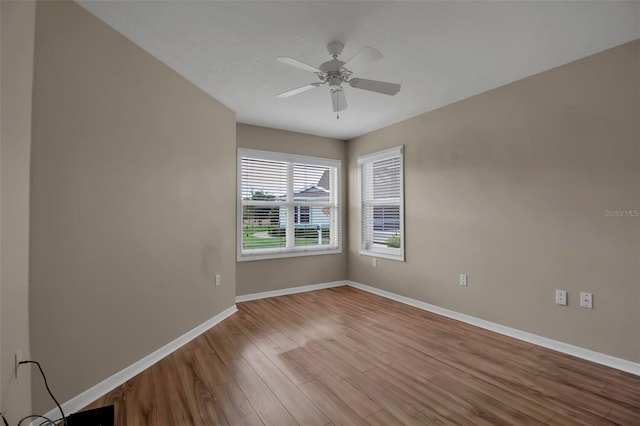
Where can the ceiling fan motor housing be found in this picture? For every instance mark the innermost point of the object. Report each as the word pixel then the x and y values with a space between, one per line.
pixel 333 72
pixel 332 66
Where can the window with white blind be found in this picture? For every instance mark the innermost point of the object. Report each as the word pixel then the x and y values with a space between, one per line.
pixel 382 204
pixel 288 205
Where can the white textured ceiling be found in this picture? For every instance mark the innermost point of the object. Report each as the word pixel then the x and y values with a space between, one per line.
pixel 440 51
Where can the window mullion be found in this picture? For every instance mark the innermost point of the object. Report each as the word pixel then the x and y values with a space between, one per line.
pixel 333 228
pixel 291 220
pixel 384 201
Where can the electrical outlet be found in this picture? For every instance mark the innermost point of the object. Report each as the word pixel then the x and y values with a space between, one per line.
pixel 463 280
pixel 217 280
pixel 17 358
pixel 374 262
pixel 586 300
pixel 561 297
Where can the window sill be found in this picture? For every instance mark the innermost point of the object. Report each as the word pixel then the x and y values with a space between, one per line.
pixel 286 254
pixel 383 255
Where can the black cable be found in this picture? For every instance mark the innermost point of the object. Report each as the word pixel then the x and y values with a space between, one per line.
pixel 46 385
pixel 55 422
pixel 4 419
pixel 37 416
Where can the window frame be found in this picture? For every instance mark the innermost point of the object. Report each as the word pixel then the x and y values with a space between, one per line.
pixel 335 246
pixel 397 254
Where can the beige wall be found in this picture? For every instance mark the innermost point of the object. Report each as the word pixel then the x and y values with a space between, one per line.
pixel 266 275
pixel 511 187
pixel 130 214
pixel 17 35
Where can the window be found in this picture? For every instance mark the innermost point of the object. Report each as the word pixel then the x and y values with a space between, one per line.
pixel 382 204
pixel 288 205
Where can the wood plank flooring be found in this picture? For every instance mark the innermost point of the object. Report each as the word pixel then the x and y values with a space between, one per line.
pixel 343 356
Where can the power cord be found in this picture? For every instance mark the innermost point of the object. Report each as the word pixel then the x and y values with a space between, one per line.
pixel 47 419
pixel 37 417
pixel 46 385
pixel 55 422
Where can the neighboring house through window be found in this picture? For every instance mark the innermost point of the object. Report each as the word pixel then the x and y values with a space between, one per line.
pixel 381 193
pixel 288 205
pixel 302 215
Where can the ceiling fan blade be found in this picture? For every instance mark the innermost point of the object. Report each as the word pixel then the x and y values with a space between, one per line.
pixel 375 86
pixel 366 56
pixel 296 63
pixel 298 90
pixel 338 100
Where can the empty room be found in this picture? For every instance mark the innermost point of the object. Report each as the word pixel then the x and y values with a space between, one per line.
pixel 319 212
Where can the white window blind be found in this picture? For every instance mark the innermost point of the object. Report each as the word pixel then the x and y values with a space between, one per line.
pixel 382 204
pixel 288 205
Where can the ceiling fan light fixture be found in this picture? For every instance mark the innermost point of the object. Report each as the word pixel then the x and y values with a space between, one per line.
pixel 334 81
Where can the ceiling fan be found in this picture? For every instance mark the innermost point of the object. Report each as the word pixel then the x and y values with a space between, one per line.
pixel 335 72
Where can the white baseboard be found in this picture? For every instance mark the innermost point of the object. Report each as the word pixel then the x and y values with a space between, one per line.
pixel 80 401
pixel 286 291
pixel 577 351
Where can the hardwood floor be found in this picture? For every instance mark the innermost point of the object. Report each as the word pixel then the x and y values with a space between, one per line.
pixel 343 356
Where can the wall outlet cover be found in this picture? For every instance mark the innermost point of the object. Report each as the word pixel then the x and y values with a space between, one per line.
pixel 561 297
pixel 586 300
pixel 463 280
